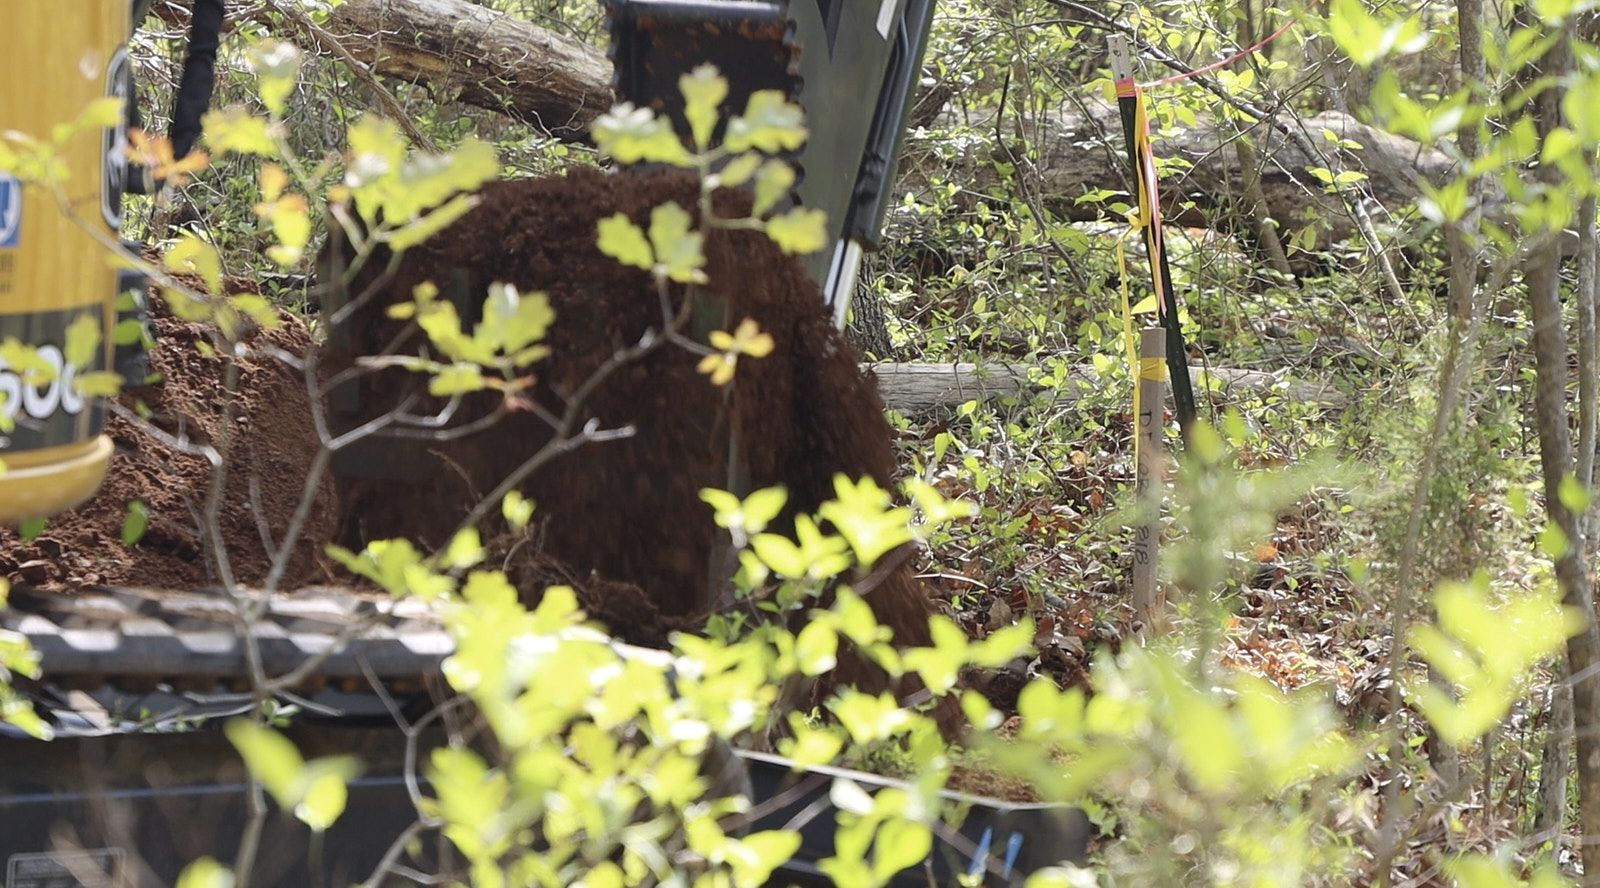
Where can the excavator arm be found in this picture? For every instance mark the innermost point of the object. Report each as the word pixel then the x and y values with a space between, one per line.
pixel 852 64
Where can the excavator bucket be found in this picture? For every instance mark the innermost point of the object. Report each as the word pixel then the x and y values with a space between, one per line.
pixel 852 64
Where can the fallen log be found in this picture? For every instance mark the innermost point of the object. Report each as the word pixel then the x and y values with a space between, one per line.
pixel 1079 167
pixel 915 388
pixel 481 57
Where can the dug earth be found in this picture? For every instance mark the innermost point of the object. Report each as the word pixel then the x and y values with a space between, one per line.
pixel 621 521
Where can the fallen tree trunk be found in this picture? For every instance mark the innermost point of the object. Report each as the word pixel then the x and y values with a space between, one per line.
pixel 481 57
pixel 1079 152
pixel 918 388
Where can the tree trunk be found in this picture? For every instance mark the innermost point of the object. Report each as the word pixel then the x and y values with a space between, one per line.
pixel 917 388
pixel 1543 276
pixel 481 57
pixel 1556 762
pixel 1555 457
pixel 1079 152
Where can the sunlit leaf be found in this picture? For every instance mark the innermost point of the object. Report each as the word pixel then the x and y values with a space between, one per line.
pixel 637 135
pixel 205 873
pixel 237 131
pixel 625 242
pixel 703 93
pixel 799 231
pixel 133 526
pixel 770 123
pixel 678 248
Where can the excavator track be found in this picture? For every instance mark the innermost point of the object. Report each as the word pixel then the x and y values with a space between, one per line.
pixel 136 639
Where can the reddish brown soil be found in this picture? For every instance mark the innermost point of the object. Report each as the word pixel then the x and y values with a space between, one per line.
pixel 271 444
pixel 628 511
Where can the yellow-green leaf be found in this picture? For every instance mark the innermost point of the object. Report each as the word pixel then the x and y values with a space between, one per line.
pixel 517 509
pixel 678 249
pixel 456 379
pixel 83 341
pixel 191 255
pixel 635 135
pixel 276 65
pixel 205 873
pixel 703 93
pixel 237 131
pixel 134 524
pixel 799 231
pixel 324 801
pixel 625 242
pixel 769 123
pixel 99 384
pixel 772 185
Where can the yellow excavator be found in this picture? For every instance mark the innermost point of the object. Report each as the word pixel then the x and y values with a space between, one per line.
pixel 56 267
pixel 54 264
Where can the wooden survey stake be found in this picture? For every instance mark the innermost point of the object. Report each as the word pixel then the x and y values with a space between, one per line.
pixel 1149 600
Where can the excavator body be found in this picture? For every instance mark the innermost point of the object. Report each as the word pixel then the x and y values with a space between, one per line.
pixel 54 267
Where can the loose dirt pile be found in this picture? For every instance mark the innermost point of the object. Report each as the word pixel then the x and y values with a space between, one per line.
pixel 620 520
pixel 270 441
pixel 626 511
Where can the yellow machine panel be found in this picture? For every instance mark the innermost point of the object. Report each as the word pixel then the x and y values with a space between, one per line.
pixel 54 262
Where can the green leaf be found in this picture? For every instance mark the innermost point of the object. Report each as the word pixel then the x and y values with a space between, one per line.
pixel 799 231
pixel 678 248
pixel 324 801
pixel 757 855
pixel 417 231
pixel 276 65
pixel 637 135
pixel 30 529
pixel 900 844
pixel 866 517
pixel 703 93
pixel 133 526
pixel 1573 494
pixel 83 341
pixel 191 255
pixel 807 746
pixel 772 185
pixel 761 507
pixel 257 309
pixel 269 756
pixel 770 123
pixel 817 648
pixel 739 170
pixel 25 361
pixel 517 509
pixel 456 379
pixel 515 320
pixel 206 873
pixel 128 332
pixel 870 718
pixel 99 384
pixel 625 242
pixel 780 554
pixel 465 550
pixel 237 131
pixel 1366 39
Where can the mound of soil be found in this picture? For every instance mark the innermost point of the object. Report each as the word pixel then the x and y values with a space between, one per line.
pixel 626 511
pixel 621 521
pixel 270 440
